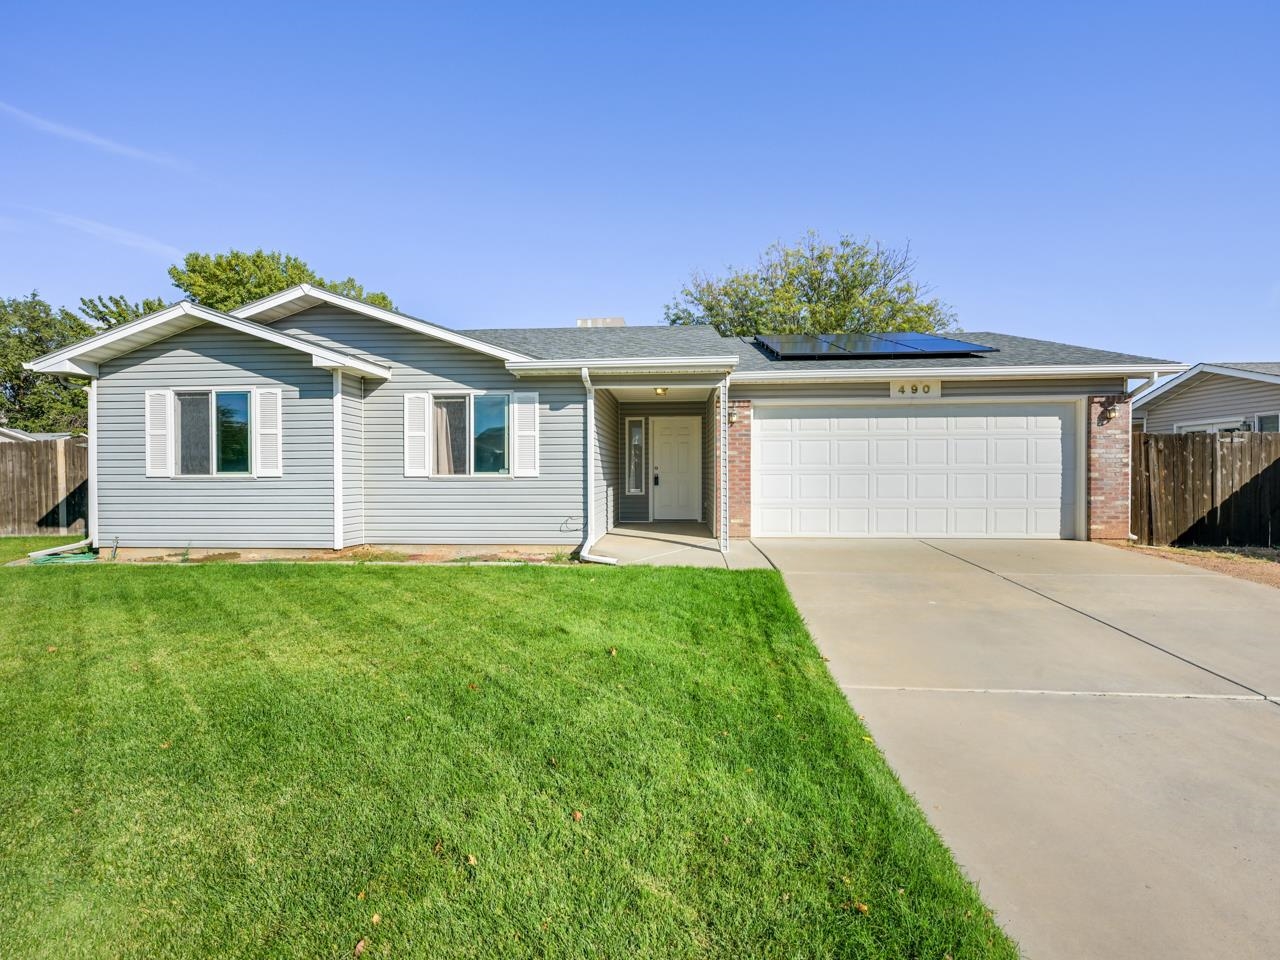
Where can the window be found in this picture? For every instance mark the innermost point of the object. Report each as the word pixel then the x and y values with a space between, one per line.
pixel 470 434
pixel 635 455
pixel 1268 422
pixel 489 433
pixel 213 432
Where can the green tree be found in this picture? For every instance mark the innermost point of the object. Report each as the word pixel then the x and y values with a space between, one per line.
pixel 29 327
pixel 814 287
pixel 111 311
pixel 228 280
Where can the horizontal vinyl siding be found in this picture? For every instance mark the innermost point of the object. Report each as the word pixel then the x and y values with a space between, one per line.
pixel 352 460
pixel 294 510
pixel 1211 397
pixel 548 508
pixel 951 389
pixel 608 465
pixel 635 509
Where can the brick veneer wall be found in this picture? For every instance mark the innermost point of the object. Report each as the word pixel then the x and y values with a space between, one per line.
pixel 1108 454
pixel 739 470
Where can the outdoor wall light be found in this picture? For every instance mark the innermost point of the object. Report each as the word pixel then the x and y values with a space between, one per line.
pixel 660 391
pixel 733 416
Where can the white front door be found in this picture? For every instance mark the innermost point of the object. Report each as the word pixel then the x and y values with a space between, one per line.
pixel 677 468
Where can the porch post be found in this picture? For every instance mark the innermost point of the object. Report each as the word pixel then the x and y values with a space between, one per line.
pixel 723 526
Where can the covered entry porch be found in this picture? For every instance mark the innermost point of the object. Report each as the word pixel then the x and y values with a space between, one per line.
pixel 658 464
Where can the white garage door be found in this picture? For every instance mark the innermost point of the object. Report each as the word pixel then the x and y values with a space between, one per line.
pixel 946 470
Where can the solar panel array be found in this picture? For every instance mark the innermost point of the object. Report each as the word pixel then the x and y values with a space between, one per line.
pixel 879 346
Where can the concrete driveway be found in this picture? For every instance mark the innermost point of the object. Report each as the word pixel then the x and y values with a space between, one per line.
pixel 1088 728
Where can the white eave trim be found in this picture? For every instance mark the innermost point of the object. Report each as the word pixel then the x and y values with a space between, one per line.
pixel 302 291
pixel 68 360
pixel 1184 378
pixel 879 374
pixel 623 365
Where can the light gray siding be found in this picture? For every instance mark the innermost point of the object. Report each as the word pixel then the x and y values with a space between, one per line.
pixel 293 510
pixel 547 509
pixel 352 460
pixel 1210 397
pixel 951 389
pixel 608 465
pixel 635 508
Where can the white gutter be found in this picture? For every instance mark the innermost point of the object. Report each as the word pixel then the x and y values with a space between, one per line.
pixel 589 476
pixel 623 365
pixel 950 373
pixel 1152 377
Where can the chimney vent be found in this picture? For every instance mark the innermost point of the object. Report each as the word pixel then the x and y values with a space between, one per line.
pixel 601 322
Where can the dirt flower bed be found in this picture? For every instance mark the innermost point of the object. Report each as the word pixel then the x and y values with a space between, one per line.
pixel 1259 564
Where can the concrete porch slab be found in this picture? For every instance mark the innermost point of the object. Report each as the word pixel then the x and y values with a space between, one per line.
pixel 676 545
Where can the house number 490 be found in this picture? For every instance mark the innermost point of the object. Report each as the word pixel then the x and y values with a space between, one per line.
pixel 915 389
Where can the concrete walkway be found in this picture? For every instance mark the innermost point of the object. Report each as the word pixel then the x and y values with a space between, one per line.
pixel 676 544
pixel 1087 727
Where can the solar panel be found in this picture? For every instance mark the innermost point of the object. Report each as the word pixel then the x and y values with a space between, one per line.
pixel 850 346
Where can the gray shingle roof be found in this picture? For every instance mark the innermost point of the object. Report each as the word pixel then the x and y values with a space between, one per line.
pixel 1268 367
pixel 565 343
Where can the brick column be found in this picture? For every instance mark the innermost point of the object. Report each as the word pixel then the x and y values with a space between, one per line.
pixel 740 468
pixel 1108 455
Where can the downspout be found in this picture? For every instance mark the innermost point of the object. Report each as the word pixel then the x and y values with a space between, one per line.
pixel 589 476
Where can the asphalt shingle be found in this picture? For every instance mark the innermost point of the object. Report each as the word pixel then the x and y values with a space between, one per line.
pixel 596 343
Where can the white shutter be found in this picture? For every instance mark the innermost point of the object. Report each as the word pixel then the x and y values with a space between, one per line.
pixel 417 432
pixel 159 431
pixel 524 433
pixel 269 448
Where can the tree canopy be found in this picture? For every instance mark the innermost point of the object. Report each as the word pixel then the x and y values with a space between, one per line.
pixel 850 286
pixel 111 311
pixel 228 280
pixel 38 402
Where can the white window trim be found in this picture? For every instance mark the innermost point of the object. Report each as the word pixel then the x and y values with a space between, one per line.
pixel 1257 417
pixel 644 457
pixel 470 396
pixel 1210 426
pixel 175 437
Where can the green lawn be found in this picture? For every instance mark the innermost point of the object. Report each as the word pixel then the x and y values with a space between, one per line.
pixel 15 548
pixel 257 761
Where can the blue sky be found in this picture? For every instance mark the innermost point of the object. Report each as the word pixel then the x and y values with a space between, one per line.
pixel 1101 175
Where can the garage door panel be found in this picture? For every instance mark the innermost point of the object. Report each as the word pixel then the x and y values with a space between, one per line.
pixel 853 486
pixel 969 451
pixel 930 521
pixel 951 470
pixel 775 453
pixel 853 452
pixel 930 452
pixel 890 453
pixel 813 486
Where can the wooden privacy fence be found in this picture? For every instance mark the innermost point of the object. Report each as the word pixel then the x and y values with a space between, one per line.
pixel 1206 489
pixel 44 487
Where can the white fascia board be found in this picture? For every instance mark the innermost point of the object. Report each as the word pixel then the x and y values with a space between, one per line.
pixel 378 313
pixel 951 373
pixel 1175 383
pixel 67 360
pixel 623 365
pixel 69 367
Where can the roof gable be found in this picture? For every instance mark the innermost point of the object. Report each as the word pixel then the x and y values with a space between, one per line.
pixel 1262 372
pixel 305 296
pixel 83 358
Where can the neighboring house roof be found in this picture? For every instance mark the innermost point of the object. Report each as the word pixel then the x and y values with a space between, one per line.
pixel 1265 372
pixel 304 296
pixel 83 358
pixel 13 433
